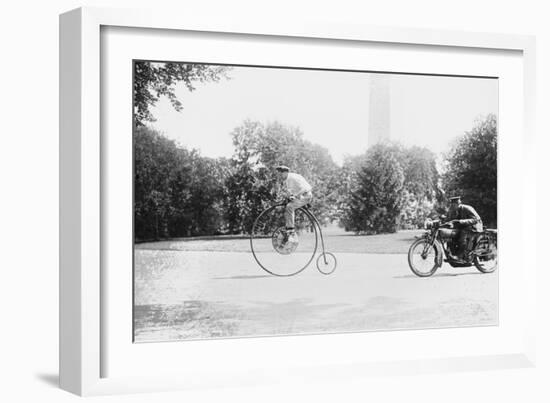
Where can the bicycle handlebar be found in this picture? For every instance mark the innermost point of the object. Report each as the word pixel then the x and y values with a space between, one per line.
pixel 285 200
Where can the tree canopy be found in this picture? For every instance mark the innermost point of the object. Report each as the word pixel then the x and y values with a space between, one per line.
pixel 153 80
pixel 471 169
pixel 258 149
pixel 375 196
pixel 177 192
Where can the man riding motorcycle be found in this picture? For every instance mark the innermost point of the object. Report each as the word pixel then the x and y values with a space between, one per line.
pixel 467 221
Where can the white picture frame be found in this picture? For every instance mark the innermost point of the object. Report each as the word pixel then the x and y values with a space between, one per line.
pixel 82 339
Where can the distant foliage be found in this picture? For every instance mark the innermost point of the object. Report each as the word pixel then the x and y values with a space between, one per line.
pixel 416 210
pixel 367 178
pixel 177 192
pixel 376 192
pixel 471 169
pixel 180 193
pixel 422 195
pixel 252 186
pixel 154 80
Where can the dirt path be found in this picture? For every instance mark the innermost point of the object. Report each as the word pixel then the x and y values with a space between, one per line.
pixel 198 294
pixel 337 241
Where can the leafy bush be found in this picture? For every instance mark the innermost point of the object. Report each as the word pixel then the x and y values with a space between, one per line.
pixel 471 169
pixel 252 185
pixel 376 193
pixel 176 191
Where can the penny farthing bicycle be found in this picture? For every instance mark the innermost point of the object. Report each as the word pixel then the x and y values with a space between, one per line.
pixel 276 255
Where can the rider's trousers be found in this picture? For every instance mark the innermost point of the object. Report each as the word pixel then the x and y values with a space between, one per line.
pixel 465 241
pixel 293 205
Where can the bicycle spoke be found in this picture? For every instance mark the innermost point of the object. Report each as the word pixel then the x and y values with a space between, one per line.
pixel 270 248
pixel 423 258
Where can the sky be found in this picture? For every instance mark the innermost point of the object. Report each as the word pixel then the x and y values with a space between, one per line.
pixel 330 107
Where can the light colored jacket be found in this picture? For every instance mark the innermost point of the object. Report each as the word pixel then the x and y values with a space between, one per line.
pixel 296 184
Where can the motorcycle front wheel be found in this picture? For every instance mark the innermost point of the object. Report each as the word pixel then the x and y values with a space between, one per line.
pixel 423 258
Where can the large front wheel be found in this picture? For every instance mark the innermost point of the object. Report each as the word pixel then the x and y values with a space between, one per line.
pixel 272 248
pixel 423 258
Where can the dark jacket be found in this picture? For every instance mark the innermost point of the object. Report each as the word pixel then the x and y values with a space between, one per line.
pixel 467 218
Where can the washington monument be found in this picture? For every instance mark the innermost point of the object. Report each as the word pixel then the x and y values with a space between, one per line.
pixel 379 109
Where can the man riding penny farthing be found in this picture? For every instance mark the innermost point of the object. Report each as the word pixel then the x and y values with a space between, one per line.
pixel 285 236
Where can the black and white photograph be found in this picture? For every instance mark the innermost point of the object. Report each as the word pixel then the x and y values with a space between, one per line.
pixel 275 200
pixel 272 202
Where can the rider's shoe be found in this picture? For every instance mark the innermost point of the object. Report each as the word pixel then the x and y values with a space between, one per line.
pixel 455 259
pixel 285 238
pixel 452 257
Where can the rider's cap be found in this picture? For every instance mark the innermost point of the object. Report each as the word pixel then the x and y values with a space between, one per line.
pixel 282 168
pixel 454 199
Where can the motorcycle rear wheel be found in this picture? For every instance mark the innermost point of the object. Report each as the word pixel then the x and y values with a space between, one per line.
pixel 489 263
pixel 419 265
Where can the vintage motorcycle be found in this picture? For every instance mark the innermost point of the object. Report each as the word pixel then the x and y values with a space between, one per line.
pixel 439 244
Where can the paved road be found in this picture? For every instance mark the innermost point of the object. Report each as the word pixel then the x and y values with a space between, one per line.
pixel 198 294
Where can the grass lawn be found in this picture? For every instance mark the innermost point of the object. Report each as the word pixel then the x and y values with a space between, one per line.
pixel 336 240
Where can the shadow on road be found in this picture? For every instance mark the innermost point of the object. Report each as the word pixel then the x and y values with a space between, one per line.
pixel 440 275
pixel 243 277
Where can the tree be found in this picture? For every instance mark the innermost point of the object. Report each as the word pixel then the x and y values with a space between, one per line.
pixel 197 194
pixel 250 186
pixel 155 165
pixel 471 169
pixel 421 176
pixel 177 192
pixel 153 80
pixel 376 192
pixel 422 192
pixel 259 149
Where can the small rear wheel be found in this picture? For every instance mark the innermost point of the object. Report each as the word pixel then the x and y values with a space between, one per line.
pixel 326 263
